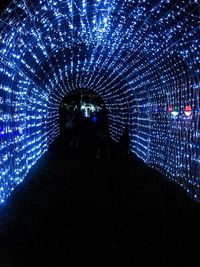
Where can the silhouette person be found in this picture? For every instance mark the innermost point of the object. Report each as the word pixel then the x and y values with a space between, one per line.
pixel 103 146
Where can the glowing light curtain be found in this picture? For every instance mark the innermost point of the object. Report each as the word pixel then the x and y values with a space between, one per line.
pixel 141 57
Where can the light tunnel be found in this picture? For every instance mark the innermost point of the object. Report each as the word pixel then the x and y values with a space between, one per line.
pixel 142 57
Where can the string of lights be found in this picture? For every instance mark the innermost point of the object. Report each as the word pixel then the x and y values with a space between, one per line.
pixel 141 57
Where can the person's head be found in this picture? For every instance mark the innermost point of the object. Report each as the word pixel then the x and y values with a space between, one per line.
pixel 126 130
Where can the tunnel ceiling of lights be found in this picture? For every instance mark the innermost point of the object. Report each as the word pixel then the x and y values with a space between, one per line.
pixel 142 57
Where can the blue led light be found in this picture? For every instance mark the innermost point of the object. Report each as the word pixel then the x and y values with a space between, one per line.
pixel 140 56
pixel 94 119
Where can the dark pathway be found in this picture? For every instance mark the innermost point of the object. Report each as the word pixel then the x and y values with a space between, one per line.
pixel 73 210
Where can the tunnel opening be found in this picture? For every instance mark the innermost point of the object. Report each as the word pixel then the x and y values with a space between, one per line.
pixel 84 102
pixel 85 123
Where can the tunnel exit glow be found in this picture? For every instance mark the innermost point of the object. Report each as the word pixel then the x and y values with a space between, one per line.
pixel 141 57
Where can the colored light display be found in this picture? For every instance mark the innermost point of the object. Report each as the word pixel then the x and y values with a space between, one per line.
pixel 175 112
pixel 139 56
pixel 188 111
pixel 170 109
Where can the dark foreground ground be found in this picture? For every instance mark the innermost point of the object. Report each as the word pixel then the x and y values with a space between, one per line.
pixel 75 210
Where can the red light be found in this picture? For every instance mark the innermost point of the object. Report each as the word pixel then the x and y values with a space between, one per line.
pixel 188 111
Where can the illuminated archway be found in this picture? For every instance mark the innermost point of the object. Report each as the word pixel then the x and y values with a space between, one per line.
pixel 141 57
